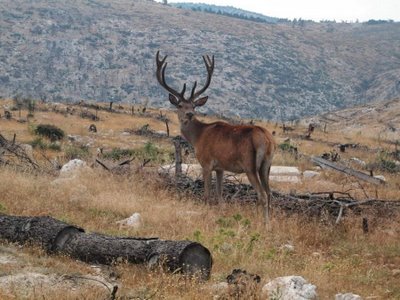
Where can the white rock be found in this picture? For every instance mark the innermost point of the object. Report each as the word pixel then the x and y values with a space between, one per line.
pixel 347 296
pixel 134 221
pixel 289 288
pixel 278 173
pixel 310 174
pixel 381 177
pixel 28 285
pixel 191 170
pixel 72 167
pixel 28 150
pixel 287 247
pixel 161 133
pixel 358 161
pixel 220 290
pixel 291 179
pixel 284 171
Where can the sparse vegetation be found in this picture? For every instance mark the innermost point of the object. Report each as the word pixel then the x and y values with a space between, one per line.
pixel 76 151
pixel 233 232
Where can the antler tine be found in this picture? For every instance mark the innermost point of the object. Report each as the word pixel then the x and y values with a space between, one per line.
pixel 160 62
pixel 161 66
pixel 183 90
pixel 193 89
pixel 210 69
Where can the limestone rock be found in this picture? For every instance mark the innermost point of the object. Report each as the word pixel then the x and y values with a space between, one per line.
pixel 289 288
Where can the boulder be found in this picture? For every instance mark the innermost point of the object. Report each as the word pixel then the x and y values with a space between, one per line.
pixel 310 174
pixel 134 221
pixel 71 168
pixel 347 296
pixel 289 288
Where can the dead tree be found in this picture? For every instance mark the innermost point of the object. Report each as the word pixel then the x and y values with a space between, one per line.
pixel 92 128
pixel 167 125
pixel 310 130
pixel 189 258
pixel 7 114
pixel 178 156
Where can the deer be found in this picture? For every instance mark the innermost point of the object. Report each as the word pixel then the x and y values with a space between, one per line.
pixel 220 146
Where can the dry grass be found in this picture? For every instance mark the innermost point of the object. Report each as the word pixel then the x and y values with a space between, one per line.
pixel 334 258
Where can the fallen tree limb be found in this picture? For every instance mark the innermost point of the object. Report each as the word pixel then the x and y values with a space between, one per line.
pixel 55 236
pixel 326 163
pixel 332 204
pixel 16 152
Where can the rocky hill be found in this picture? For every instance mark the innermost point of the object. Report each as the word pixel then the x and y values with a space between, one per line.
pixel 380 120
pixel 105 49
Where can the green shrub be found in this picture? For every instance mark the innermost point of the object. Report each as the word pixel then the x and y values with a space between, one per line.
pixel 72 152
pixel 118 153
pixel 38 143
pixel 286 146
pixel 148 152
pixel 50 131
pixel 385 162
pixel 54 147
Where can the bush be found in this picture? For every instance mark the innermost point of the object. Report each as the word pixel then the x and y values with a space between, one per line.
pixel 54 147
pixel 148 152
pixel 50 131
pixel 118 153
pixel 38 143
pixel 384 162
pixel 73 152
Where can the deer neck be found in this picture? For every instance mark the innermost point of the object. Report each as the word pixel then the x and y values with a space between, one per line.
pixel 192 130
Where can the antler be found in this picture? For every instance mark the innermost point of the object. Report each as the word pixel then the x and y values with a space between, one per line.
pixel 161 66
pixel 210 69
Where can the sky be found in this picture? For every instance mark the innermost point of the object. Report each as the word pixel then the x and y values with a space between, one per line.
pixel 316 10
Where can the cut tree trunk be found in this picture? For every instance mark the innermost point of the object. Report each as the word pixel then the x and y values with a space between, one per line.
pixel 326 163
pixel 55 236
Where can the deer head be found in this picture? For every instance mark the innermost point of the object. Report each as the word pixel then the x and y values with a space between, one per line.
pixel 186 106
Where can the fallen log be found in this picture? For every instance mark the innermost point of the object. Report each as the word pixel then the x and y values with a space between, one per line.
pixel 326 163
pixel 189 258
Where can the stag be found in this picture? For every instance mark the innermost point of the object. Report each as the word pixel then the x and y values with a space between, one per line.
pixel 220 146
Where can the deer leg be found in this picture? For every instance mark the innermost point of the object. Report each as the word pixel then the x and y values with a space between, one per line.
pixel 207 185
pixel 220 175
pixel 261 194
pixel 264 177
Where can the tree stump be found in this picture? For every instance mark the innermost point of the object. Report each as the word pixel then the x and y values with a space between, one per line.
pixel 55 236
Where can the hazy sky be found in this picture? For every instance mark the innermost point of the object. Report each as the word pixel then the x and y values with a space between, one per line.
pixel 317 10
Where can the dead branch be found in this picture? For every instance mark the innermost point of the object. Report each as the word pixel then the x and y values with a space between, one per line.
pixel 16 152
pixel 335 204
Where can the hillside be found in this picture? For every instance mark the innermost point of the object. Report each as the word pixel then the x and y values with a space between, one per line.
pixel 229 11
pixel 104 50
pixel 379 120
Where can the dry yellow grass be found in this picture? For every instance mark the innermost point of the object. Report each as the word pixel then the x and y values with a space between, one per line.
pixel 334 258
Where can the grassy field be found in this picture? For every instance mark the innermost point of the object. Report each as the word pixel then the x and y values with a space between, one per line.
pixel 337 259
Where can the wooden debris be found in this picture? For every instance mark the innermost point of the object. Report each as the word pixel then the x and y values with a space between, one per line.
pixel 189 258
pixel 331 204
pixel 335 166
pixel 11 153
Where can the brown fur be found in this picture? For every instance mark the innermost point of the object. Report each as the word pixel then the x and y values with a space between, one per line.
pixel 222 147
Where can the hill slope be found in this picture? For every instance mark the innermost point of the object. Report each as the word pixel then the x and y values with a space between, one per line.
pixel 376 120
pixel 104 50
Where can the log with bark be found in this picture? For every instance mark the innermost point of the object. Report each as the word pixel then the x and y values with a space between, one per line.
pixel 189 258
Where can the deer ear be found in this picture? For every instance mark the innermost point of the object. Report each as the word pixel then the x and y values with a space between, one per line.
pixel 201 101
pixel 173 100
